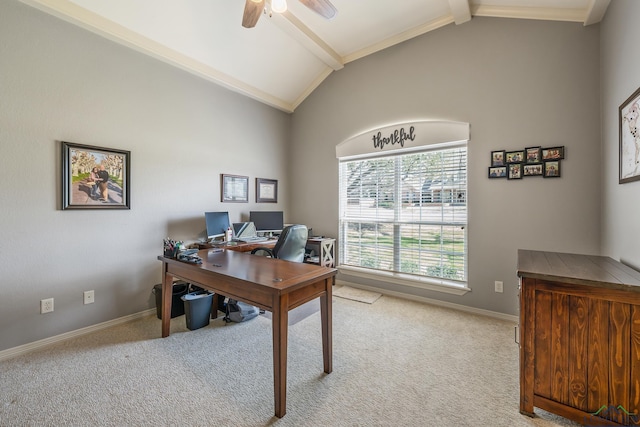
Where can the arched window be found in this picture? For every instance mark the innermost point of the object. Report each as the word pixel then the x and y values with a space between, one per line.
pixel 403 203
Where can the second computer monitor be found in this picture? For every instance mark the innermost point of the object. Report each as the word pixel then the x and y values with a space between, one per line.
pixel 267 221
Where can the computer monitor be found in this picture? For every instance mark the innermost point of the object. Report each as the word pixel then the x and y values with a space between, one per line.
pixel 267 221
pixel 244 229
pixel 217 223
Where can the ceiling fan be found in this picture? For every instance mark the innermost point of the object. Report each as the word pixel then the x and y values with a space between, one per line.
pixel 254 8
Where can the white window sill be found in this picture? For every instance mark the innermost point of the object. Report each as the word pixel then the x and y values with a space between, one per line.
pixel 439 285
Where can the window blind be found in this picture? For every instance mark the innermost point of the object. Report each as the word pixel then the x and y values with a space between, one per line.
pixel 406 213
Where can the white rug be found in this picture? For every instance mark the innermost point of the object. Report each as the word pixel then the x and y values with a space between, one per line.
pixel 360 295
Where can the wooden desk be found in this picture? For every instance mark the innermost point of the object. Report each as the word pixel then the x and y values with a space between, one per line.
pixel 579 337
pixel 271 284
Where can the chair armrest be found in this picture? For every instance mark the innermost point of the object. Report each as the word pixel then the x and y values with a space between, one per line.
pixel 268 251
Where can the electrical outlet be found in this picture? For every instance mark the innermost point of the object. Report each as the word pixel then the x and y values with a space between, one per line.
pixel 498 285
pixel 46 305
pixel 89 297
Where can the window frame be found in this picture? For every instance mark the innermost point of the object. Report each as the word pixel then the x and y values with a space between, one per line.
pixel 458 287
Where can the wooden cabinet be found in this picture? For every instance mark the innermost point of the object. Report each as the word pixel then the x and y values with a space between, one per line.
pixel 323 250
pixel 579 337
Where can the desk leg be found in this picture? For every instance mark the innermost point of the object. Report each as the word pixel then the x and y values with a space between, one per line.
pixel 280 324
pixel 167 298
pixel 214 306
pixel 326 319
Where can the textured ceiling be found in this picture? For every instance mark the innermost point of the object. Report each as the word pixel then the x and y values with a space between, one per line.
pixel 285 57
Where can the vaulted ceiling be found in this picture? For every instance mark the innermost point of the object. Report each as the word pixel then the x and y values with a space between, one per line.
pixel 286 56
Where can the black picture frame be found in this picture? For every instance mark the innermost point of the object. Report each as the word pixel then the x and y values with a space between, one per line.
pixel 497 158
pixel 266 190
pixel 533 169
pixel 533 155
pixel 95 177
pixel 234 188
pixel 497 172
pixel 516 156
pixel 553 153
pixel 514 171
pixel 552 169
pixel 628 115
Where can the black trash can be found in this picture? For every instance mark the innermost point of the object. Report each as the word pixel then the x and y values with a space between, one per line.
pixel 197 309
pixel 222 306
pixel 177 307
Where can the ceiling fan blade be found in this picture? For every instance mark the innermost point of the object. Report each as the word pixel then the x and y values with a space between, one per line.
pixel 252 12
pixel 321 7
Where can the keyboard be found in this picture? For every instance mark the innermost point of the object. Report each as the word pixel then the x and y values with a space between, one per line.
pixel 253 239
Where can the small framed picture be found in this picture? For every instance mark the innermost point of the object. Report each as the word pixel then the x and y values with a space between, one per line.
pixel 497 172
pixel 515 171
pixel 515 156
pixel 497 158
pixel 95 177
pixel 266 190
pixel 234 188
pixel 534 154
pixel 533 170
pixel 552 169
pixel 553 153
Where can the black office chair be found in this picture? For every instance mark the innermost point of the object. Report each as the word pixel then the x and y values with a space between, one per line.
pixel 290 245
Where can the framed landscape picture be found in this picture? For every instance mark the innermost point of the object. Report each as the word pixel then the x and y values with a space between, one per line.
pixel 95 177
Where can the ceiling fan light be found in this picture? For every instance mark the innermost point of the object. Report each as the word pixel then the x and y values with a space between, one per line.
pixel 279 6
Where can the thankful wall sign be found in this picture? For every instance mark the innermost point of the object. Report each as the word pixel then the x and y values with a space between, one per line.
pixel 398 136
pixel 402 137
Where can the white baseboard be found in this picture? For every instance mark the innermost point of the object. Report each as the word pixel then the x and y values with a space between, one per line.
pixel 26 348
pixel 494 314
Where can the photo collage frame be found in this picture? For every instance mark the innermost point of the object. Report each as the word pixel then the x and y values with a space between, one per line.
pixel 531 161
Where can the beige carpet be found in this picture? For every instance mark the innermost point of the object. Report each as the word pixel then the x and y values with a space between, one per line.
pixel 355 294
pixel 395 363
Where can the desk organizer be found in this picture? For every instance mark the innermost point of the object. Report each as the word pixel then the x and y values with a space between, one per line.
pixel 170 253
pixel 172 247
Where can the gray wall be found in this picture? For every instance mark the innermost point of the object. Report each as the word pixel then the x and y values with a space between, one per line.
pixel 620 78
pixel 61 83
pixel 518 83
